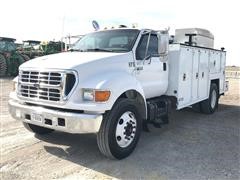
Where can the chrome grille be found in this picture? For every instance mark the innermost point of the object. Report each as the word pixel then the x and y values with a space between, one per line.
pixel 43 86
pixel 50 94
pixel 50 78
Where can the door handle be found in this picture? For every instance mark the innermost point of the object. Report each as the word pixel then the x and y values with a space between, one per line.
pixel 164 66
pixel 184 77
pixel 196 75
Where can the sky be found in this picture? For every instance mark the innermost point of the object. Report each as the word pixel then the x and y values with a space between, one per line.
pixel 52 19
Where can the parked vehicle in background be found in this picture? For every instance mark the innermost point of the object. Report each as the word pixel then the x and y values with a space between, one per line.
pixel 10 58
pixel 115 81
pixel 31 49
pixel 52 47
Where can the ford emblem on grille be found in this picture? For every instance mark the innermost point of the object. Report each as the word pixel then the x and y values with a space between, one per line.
pixel 36 85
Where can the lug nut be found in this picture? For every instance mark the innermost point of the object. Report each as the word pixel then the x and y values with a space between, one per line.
pixel 119 138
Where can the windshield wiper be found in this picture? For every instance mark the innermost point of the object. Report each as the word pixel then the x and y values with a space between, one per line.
pixel 99 49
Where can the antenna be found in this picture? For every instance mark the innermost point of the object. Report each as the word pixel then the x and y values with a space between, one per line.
pixel 95 25
pixel 63 24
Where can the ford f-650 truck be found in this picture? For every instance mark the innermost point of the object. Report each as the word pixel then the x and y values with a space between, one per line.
pixel 115 82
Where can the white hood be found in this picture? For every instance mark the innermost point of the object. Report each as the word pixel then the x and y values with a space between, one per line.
pixel 67 60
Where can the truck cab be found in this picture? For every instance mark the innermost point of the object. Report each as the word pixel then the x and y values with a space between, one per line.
pixel 112 83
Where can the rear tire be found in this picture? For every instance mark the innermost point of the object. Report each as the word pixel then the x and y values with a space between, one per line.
pixel 3 66
pixel 37 129
pixel 209 105
pixel 120 129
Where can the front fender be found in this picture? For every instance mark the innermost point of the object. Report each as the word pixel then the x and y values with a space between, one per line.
pixel 117 83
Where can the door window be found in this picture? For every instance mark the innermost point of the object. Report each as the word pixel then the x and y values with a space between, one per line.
pixel 152 49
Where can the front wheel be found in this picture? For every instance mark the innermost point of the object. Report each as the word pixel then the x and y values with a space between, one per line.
pixel 37 129
pixel 120 129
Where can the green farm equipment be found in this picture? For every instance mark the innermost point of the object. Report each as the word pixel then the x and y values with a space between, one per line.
pixel 31 49
pixel 10 58
pixel 52 47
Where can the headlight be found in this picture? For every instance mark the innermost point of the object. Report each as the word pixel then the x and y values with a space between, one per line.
pixel 88 94
pixel 96 95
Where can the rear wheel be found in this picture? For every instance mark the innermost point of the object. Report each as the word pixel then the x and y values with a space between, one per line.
pixel 209 105
pixel 120 129
pixel 37 129
pixel 3 66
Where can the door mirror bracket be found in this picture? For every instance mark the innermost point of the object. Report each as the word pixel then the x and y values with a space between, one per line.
pixel 163 44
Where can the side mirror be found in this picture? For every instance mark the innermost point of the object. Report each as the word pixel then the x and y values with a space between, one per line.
pixel 163 43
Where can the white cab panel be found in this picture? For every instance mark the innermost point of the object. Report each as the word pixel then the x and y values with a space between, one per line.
pixel 153 77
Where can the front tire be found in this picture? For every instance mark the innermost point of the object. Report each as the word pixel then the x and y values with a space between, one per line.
pixel 120 129
pixel 209 105
pixel 37 129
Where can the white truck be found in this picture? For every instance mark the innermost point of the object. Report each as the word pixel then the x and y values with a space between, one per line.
pixel 115 82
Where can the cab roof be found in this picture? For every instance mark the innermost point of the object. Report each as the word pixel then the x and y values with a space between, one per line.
pixel 32 41
pixel 7 39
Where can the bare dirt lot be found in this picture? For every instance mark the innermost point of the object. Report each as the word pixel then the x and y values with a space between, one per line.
pixel 192 146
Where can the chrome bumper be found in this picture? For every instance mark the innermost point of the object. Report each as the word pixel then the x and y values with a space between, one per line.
pixel 54 119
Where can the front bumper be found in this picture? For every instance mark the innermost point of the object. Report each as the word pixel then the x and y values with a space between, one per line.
pixel 55 119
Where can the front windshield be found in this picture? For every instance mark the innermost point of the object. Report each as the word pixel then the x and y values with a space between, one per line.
pixel 7 46
pixel 120 40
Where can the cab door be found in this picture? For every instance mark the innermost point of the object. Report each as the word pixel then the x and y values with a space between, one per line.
pixel 149 70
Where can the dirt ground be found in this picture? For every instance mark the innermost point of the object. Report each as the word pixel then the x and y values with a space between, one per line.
pixel 192 146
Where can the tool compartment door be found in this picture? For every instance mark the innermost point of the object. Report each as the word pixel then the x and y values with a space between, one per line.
pixel 203 74
pixel 195 74
pixel 215 61
pixel 222 71
pixel 185 76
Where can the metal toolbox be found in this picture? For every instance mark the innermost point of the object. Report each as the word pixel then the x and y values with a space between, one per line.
pixel 203 37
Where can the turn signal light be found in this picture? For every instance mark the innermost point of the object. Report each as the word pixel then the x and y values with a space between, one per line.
pixel 101 96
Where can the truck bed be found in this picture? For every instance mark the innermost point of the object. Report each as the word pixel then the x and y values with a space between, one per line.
pixel 191 70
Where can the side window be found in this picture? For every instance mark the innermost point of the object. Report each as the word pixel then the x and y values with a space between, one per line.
pixel 140 51
pixel 152 48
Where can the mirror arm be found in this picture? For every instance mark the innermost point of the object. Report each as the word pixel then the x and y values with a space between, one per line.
pixel 150 60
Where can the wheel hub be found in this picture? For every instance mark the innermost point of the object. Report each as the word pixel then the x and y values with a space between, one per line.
pixel 213 99
pixel 126 129
pixel 129 129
